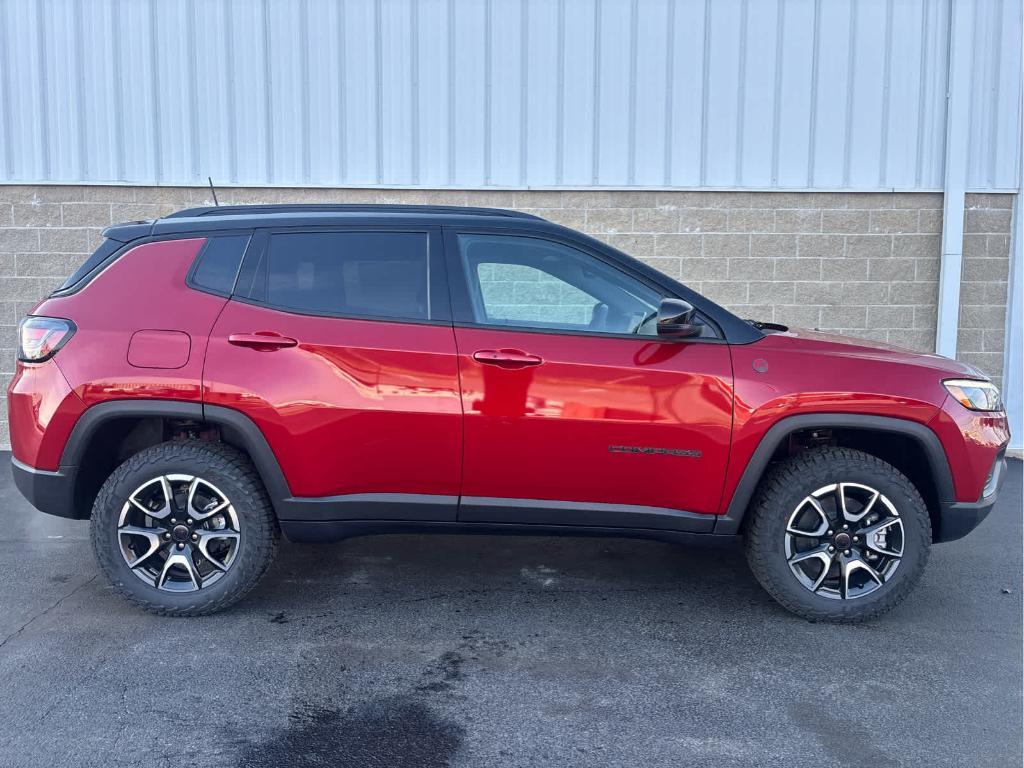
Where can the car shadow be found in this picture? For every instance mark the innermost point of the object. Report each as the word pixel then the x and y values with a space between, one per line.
pixel 497 571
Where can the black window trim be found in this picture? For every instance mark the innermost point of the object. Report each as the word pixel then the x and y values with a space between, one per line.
pixel 462 306
pixel 66 289
pixel 437 281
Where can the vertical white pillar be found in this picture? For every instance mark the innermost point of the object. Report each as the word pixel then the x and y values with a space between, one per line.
pixel 957 133
pixel 1013 363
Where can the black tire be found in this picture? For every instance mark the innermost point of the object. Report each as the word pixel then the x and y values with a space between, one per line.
pixel 231 472
pixel 783 489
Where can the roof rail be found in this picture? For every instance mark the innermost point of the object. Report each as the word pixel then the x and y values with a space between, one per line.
pixel 240 210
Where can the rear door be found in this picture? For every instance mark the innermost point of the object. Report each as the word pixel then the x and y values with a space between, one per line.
pixel 576 412
pixel 338 344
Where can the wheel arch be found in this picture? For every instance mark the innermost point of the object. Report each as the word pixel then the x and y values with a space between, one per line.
pixel 140 423
pixel 933 478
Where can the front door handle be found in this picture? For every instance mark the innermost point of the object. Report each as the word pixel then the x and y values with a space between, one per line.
pixel 506 358
pixel 263 341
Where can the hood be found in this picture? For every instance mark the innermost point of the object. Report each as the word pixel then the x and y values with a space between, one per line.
pixel 850 347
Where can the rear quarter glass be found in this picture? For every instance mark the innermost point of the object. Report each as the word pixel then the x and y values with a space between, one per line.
pixel 217 264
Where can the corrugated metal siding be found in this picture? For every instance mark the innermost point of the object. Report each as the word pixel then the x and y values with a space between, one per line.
pixel 819 94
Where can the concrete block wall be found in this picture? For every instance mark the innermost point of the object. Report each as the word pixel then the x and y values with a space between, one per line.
pixel 983 290
pixel 864 264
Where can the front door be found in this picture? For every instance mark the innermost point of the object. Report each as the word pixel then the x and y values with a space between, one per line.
pixel 576 412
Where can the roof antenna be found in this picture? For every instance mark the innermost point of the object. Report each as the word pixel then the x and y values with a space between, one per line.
pixel 213 191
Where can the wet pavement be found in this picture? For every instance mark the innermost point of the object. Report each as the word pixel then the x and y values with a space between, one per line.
pixel 504 651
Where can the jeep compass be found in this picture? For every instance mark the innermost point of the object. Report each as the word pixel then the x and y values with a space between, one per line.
pixel 208 381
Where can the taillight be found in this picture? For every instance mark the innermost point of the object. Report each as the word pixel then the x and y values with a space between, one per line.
pixel 39 338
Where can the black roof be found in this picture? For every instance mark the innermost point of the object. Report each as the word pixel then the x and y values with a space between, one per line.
pixel 226 217
pixel 239 217
pixel 299 208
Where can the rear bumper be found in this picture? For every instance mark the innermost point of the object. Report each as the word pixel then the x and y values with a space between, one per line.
pixel 47 491
pixel 958 518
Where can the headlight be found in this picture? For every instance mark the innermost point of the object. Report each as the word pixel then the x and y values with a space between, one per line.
pixel 975 395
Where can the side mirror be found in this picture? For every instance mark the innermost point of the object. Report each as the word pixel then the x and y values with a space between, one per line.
pixel 675 319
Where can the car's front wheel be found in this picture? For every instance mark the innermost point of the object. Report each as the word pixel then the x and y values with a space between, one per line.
pixel 838 535
pixel 184 528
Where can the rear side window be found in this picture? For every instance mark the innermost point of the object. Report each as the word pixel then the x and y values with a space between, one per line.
pixel 218 263
pixel 363 274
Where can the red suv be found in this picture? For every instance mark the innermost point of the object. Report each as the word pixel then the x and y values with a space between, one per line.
pixel 210 379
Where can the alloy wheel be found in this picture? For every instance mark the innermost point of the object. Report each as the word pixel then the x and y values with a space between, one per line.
pixel 178 533
pixel 844 541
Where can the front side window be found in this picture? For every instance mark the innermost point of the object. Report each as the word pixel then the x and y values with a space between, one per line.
pixel 363 274
pixel 530 282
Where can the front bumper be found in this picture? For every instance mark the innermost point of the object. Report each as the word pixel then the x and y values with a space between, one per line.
pixel 50 492
pixel 958 518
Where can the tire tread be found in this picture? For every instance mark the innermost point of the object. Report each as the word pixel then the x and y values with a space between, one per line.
pixel 264 533
pixel 770 499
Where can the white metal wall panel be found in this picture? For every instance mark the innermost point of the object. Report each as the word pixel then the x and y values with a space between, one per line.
pixel 471 43
pixel 796 76
pixel 682 151
pixel 798 94
pixel 576 136
pixel 759 25
pixel 995 98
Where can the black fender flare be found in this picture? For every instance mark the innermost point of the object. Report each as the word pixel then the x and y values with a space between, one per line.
pixel 241 426
pixel 732 520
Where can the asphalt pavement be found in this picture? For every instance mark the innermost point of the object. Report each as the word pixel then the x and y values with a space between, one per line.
pixel 505 651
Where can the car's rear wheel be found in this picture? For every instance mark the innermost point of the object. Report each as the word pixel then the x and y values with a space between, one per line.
pixel 184 528
pixel 838 535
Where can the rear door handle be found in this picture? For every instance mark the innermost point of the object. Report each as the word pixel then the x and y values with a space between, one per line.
pixel 506 358
pixel 264 341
